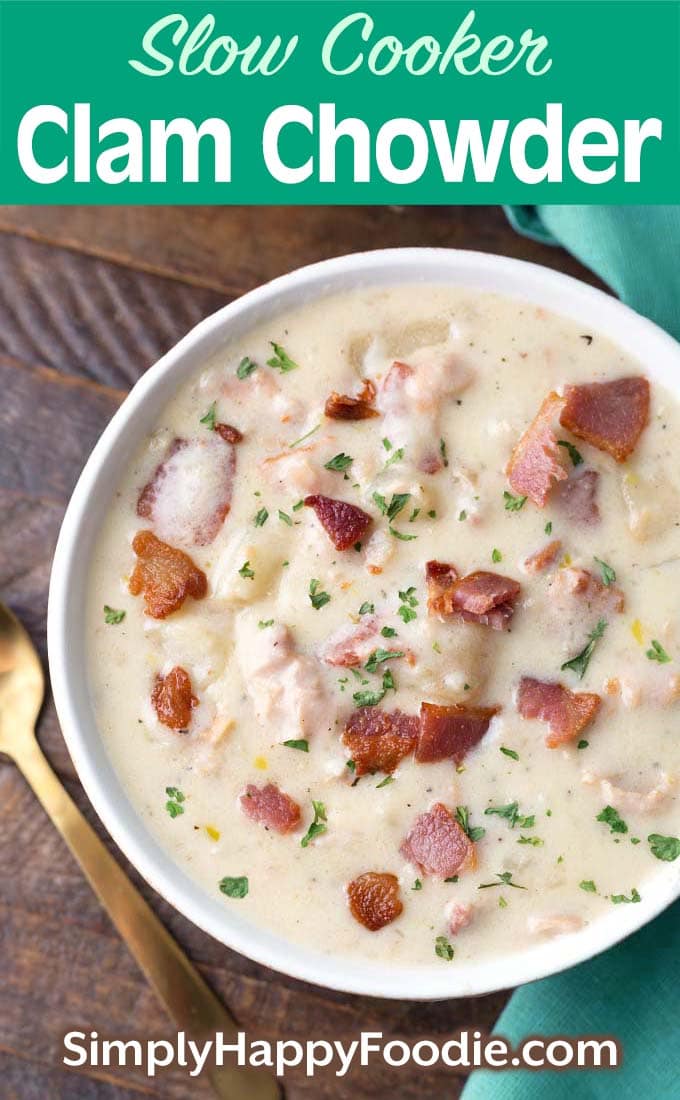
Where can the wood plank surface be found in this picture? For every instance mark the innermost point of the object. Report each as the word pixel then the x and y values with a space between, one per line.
pixel 90 298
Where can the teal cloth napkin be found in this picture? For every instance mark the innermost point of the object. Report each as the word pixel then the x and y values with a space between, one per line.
pixel 631 992
pixel 634 249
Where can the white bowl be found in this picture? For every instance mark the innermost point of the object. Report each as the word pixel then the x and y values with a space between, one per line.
pixel 660 357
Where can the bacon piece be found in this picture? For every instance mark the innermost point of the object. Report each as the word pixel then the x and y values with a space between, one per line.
pixel 343 523
pixel 173 699
pixel 543 558
pixel 567 712
pixel 536 462
pixel 609 415
pixel 165 575
pixel 270 807
pixel 378 740
pixel 574 582
pixel 576 499
pixel 449 732
pixel 460 916
pixel 481 597
pixel 228 433
pixel 437 844
pixel 341 407
pixel 189 494
pixel 374 899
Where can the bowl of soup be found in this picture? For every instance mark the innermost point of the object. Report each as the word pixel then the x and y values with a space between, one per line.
pixel 363 623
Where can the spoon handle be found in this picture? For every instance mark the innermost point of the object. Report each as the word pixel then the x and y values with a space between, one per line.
pixel 189 1000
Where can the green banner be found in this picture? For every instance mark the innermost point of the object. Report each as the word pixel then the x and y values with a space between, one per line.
pixel 258 101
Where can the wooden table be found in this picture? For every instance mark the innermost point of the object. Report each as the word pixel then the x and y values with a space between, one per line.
pixel 90 298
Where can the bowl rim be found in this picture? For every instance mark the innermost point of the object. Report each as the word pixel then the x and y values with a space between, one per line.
pixel 489 272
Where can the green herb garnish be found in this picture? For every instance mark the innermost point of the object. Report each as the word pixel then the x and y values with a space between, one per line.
pixel 245 367
pixel 318 825
pixel 234 887
pixel 511 813
pixel 417 885
pixel 401 535
pixel 611 817
pixel 442 451
pixel 378 656
pixel 261 517
pixel 280 359
pixel 174 804
pixel 534 841
pixel 496 555
pixel 474 832
pixel 246 572
pixel 388 632
pixel 548 527
pixel 666 848
pixel 443 948
pixel 384 782
pixel 209 418
pixel 112 616
pixel 509 752
pixel 264 623
pixel 589 886
pixel 657 653
pixel 617 899
pixel 301 744
pixel 504 879
pixel 608 574
pixel 367 608
pixel 339 462
pixel 575 456
pixel 513 504
pixel 398 501
pixel 580 662
pixel 368 698
pixel 317 599
pixel 285 518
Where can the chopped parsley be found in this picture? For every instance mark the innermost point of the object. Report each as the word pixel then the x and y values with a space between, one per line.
pixel 432 514
pixel 368 698
pixel 264 623
pixel 513 504
pixel 534 841
pixel 384 782
pixel 462 515
pixel 474 832
pixel 305 436
pixel 496 555
pixel 583 744
pixel 285 518
pixel 617 899
pixel 451 878
pixel 301 744
pixel 209 418
pixel 246 572
pixel 666 848
pixel 318 825
pixel 245 368
pixel 608 574
pixel 388 681
pixel 611 817
pixel 388 632
pixel 414 515
pixel 300 504
pixel 589 886
pixel 408 603
pixel 509 752
pixel 317 599
pixel 351 765
pixel 502 903
pixel 398 501
pixel 548 527
pixel 234 887
pixel 367 608
pixel 580 662
pixel 443 948
pixel 261 517
pixel 396 456
pixel 112 616
pixel 417 885
pixel 387 444
pixel 281 360
pixel 338 462
pixel 442 451
pixel 575 456
pixel 379 655
pixel 401 535
pixel 657 653
pixel 504 879
pixel 174 804
pixel 511 813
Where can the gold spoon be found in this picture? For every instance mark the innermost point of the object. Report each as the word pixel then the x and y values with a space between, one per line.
pixel 191 1003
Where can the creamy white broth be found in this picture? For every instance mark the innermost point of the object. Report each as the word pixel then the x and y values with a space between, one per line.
pixel 511 354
